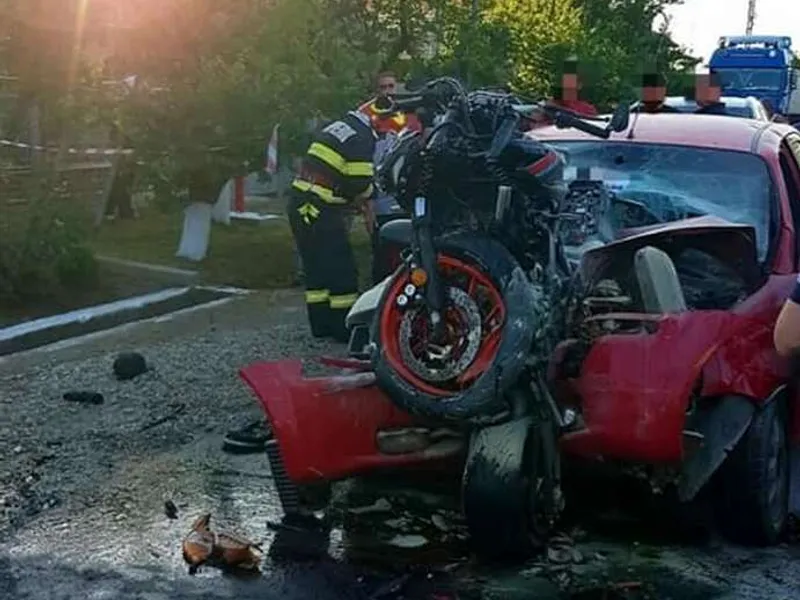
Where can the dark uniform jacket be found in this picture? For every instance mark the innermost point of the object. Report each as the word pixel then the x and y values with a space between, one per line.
pixel 337 167
pixel 653 108
pixel 715 108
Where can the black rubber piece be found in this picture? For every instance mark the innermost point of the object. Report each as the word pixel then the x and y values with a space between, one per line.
pixel 129 365
pixel 84 397
pixel 496 492
pixel 743 496
pixel 250 439
pixel 483 400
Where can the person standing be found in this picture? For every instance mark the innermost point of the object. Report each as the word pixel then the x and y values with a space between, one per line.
pixel 708 94
pixel 787 328
pixel 654 94
pixel 336 171
pixel 566 94
pixel 383 207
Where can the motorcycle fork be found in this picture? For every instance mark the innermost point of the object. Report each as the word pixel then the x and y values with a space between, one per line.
pixel 426 258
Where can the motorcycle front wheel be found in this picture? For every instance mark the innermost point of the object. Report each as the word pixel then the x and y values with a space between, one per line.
pixel 491 316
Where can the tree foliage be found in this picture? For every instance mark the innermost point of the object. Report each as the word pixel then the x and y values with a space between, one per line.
pixel 620 39
pixel 217 75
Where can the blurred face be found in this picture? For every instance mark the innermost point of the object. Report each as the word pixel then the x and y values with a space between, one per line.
pixel 654 94
pixel 569 86
pixel 387 85
pixel 706 91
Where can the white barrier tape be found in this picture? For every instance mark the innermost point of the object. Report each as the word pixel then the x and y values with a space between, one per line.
pixel 82 151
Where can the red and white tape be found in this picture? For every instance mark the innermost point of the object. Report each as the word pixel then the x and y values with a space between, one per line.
pixel 74 151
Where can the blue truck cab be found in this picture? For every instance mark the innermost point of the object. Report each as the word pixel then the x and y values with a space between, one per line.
pixel 757 65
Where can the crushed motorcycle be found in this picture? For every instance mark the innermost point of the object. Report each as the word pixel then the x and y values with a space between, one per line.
pixel 449 356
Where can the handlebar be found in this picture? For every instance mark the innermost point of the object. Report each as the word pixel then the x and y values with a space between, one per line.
pixel 446 93
pixel 402 101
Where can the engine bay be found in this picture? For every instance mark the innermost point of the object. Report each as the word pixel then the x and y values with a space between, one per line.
pixel 707 282
pixel 689 275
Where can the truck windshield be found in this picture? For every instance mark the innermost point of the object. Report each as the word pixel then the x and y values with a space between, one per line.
pixel 750 79
pixel 660 183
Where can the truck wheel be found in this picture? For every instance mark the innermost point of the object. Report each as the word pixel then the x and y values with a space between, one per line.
pixel 510 490
pixel 753 493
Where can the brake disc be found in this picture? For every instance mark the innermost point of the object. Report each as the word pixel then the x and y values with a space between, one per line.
pixel 420 366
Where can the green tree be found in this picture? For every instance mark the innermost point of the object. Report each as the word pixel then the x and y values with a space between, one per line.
pixel 221 73
pixel 267 62
pixel 540 30
pixel 618 43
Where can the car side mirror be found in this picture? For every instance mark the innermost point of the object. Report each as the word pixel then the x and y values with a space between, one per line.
pixel 621 117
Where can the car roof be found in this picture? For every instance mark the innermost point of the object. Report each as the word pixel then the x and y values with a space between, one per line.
pixel 699 131
pixel 729 100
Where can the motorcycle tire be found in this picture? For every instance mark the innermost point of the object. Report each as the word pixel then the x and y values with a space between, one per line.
pixel 505 464
pixel 483 401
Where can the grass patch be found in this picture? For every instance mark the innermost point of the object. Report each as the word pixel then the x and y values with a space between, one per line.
pixel 249 255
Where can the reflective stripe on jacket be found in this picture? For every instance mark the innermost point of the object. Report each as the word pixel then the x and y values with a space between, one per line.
pixel 338 164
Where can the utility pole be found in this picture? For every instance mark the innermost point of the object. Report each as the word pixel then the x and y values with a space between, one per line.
pixel 751 17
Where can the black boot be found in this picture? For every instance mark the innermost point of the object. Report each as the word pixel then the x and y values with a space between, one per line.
pixel 250 439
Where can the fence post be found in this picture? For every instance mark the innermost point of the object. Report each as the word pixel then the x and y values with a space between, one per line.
pixel 238 194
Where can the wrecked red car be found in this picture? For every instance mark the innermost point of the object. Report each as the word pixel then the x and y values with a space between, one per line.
pixel 670 367
pixel 666 367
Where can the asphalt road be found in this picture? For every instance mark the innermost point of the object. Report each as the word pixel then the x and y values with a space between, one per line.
pixel 82 492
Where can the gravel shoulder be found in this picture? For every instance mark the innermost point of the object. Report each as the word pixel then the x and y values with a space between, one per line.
pixel 82 488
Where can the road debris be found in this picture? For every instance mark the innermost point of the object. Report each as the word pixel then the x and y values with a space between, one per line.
pixel 380 505
pixel 408 541
pixel 561 550
pixel 440 523
pixel 218 549
pixel 129 365
pixel 84 397
pixel 611 591
pixel 391 588
pixel 176 410
pixel 170 509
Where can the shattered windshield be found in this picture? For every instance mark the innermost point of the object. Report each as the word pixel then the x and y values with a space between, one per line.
pixel 660 183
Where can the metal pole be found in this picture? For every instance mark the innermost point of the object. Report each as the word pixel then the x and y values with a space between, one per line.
pixel 751 17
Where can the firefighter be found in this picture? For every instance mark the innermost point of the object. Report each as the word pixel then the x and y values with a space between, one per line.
pixel 383 208
pixel 336 171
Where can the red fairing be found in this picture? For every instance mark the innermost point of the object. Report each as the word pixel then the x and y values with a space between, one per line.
pixel 634 389
pixel 326 427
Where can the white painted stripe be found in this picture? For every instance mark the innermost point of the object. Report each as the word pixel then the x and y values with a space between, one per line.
pixel 86 314
pixel 76 341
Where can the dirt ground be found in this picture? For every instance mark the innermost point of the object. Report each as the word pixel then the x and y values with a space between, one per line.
pixel 82 491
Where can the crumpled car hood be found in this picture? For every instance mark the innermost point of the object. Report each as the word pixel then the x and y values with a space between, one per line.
pixel 732 243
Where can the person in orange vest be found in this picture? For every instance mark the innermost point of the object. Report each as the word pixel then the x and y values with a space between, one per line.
pixel 386 124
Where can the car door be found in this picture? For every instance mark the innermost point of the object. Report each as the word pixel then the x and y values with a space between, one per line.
pixel 790 168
